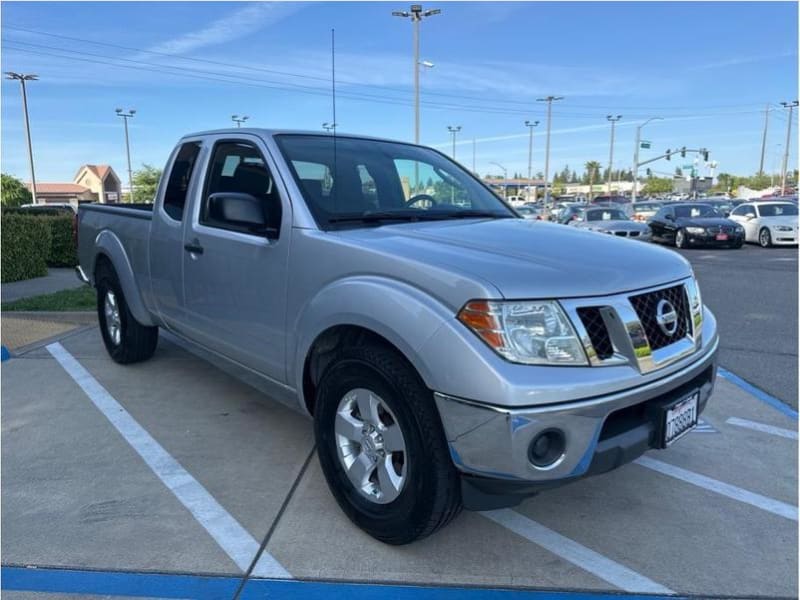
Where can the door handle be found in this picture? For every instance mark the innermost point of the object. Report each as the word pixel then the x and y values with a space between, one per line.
pixel 193 248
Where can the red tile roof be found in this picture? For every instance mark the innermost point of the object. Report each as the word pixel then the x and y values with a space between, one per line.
pixel 99 170
pixel 58 188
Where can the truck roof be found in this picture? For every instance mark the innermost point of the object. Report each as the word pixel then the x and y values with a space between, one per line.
pixel 262 131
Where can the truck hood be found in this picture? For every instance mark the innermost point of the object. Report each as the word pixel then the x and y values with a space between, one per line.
pixel 528 259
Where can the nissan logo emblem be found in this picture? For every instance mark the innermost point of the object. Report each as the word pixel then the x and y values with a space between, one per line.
pixel 666 317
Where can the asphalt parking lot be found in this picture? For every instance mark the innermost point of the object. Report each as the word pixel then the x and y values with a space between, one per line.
pixel 753 293
pixel 172 478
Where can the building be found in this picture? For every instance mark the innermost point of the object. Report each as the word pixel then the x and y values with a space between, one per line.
pixel 92 183
pixel 101 180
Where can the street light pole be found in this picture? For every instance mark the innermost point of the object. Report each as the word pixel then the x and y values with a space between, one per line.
pixel 474 145
pixel 125 116
pixel 549 100
pixel 453 131
pixel 613 120
pixel 636 155
pixel 790 106
pixel 416 13
pixel 239 120
pixel 530 125
pixel 505 179
pixel 22 78
pixel 764 141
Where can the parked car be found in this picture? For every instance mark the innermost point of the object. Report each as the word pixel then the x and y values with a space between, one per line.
pixel 687 225
pixel 768 223
pixel 723 206
pixel 528 212
pixel 643 211
pixel 611 221
pixel 450 353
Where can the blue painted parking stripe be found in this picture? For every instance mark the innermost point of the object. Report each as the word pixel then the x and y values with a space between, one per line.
pixel 4 354
pixel 231 537
pixel 758 393
pixel 202 587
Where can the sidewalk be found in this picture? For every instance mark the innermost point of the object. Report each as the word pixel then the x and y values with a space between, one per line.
pixel 55 280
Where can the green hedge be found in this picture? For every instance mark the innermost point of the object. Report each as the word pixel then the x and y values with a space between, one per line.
pixel 62 249
pixel 26 242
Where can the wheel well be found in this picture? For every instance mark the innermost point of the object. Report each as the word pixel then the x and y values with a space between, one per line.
pixel 324 349
pixel 102 260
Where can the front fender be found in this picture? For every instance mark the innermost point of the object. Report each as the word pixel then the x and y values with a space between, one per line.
pixel 402 314
pixel 108 244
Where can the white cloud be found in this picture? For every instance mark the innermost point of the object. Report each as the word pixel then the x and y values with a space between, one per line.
pixel 740 60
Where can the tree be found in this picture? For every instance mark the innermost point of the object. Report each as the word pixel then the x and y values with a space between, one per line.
pixel 657 185
pixel 592 167
pixel 145 183
pixel 13 192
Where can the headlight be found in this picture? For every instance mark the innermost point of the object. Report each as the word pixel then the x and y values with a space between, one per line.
pixel 528 332
pixel 739 229
pixel 696 229
pixel 783 228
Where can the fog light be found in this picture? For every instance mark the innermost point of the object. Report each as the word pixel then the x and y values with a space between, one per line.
pixel 547 448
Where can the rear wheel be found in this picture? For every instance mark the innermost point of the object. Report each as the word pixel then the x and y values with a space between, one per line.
pixel 764 238
pixel 381 446
pixel 126 340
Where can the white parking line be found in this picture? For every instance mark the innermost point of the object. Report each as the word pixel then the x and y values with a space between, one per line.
pixel 776 507
pixel 762 427
pixel 571 551
pixel 226 531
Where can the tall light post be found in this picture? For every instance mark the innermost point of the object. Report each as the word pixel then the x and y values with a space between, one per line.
pixel 530 125
pixel 790 106
pixel 453 132
pixel 549 100
pixel 505 178
pixel 239 120
pixel 329 127
pixel 474 149
pixel 416 13
pixel 22 78
pixel 613 120
pixel 636 155
pixel 125 116
pixel 764 141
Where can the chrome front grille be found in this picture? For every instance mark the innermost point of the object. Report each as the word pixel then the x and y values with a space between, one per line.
pixel 625 329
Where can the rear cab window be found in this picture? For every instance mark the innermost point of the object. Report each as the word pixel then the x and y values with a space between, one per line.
pixel 180 176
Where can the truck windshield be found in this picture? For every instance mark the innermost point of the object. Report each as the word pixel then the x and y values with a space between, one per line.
pixel 362 182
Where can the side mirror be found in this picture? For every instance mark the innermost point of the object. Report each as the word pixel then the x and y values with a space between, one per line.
pixel 239 211
pixel 669 217
pixel 749 217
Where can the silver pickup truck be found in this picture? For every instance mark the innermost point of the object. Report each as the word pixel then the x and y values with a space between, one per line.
pixel 450 353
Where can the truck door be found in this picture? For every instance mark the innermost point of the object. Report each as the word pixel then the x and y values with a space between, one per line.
pixel 235 257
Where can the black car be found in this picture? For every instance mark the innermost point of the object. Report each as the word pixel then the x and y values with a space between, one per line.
pixel 693 224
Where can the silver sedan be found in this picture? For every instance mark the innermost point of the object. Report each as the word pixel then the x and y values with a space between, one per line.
pixel 612 221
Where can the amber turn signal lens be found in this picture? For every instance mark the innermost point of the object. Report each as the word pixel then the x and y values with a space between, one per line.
pixel 479 317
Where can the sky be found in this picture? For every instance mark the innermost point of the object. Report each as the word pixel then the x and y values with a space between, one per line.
pixel 708 69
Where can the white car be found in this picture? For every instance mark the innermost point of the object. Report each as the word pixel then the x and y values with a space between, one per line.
pixel 767 223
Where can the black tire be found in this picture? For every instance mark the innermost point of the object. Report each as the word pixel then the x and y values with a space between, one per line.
pixel 764 238
pixel 431 495
pixel 680 239
pixel 137 342
pixel 738 244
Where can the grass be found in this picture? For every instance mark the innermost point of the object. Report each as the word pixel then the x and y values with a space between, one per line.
pixel 82 298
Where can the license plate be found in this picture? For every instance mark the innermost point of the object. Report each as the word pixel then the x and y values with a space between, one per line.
pixel 721 237
pixel 680 418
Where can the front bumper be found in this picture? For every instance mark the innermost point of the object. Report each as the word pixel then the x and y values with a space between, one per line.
pixel 489 444
pixel 705 239
pixel 783 238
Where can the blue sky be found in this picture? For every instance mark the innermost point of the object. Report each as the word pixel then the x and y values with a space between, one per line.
pixel 708 68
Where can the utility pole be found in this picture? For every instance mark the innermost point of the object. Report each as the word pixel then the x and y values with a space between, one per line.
pixel 530 125
pixel 636 155
pixel 790 106
pixel 329 127
pixel 764 141
pixel 22 78
pixel 125 116
pixel 453 131
pixel 416 13
pixel 613 120
pixel 474 144
pixel 239 120
pixel 549 100
pixel 505 179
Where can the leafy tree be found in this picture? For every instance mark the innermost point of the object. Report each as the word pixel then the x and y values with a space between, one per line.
pixel 592 167
pixel 13 192
pixel 145 183
pixel 657 185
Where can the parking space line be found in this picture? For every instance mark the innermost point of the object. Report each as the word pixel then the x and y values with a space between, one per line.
pixel 573 552
pixel 762 427
pixel 234 539
pixel 782 509
pixel 757 393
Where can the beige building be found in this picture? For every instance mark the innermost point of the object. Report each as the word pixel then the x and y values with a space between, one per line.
pixel 100 180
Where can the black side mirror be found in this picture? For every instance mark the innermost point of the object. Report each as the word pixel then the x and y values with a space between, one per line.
pixel 669 217
pixel 239 211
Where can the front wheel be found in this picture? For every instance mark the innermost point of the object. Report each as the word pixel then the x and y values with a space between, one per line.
pixel 764 238
pixel 381 446
pixel 126 340
pixel 680 239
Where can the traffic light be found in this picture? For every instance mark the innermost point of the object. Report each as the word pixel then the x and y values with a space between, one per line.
pixel 668 154
pixel 683 152
pixel 649 172
pixel 705 155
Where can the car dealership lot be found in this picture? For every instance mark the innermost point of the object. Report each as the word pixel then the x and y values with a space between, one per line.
pixel 174 466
